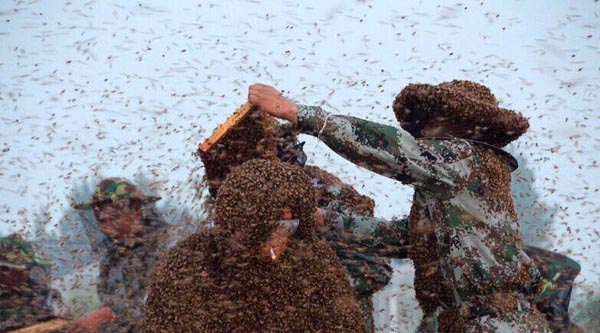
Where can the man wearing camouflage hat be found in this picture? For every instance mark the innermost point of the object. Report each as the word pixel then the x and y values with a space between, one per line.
pixel 25 295
pixel 346 219
pixel 136 235
pixel 464 233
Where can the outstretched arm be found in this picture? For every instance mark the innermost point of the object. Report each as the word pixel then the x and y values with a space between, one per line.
pixel 386 150
pixel 373 235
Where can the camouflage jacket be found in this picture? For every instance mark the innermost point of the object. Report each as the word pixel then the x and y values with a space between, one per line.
pixel 376 236
pixel 478 248
pixel 125 270
pixel 370 270
pixel 370 235
pixel 31 305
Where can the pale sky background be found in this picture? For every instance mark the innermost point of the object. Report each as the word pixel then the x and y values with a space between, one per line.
pixel 119 88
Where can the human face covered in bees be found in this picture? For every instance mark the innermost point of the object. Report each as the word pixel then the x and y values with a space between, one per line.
pixel 264 205
pixel 119 219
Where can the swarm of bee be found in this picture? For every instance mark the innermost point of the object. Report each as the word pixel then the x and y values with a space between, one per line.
pixel 280 142
pixel 214 281
pixel 251 138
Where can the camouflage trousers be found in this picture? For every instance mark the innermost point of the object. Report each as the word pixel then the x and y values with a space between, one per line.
pixel 365 302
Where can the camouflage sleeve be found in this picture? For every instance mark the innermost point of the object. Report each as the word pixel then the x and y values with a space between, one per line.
pixel 386 150
pixel 374 236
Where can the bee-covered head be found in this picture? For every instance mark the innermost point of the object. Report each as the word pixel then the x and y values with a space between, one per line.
pixel 257 198
pixel 459 109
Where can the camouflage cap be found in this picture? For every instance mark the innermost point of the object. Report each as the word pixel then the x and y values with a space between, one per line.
pixel 115 189
pixel 470 105
pixel 18 254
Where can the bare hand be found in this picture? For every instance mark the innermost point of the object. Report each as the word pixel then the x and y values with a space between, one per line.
pixel 271 101
pixel 92 321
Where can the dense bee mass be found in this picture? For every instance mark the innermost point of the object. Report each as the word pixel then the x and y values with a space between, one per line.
pixel 428 288
pixel 493 177
pixel 251 138
pixel 469 106
pixel 213 281
pixel 124 88
pixel 331 193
